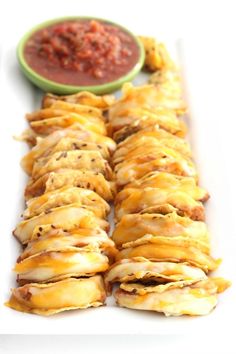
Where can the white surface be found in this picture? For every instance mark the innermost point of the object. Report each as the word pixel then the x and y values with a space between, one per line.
pixel 207 344
pixel 207 27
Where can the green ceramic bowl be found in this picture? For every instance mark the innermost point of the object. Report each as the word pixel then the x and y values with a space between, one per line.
pixel 54 87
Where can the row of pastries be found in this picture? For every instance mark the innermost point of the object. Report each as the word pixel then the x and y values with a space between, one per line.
pixel 87 151
pixel 164 257
pixel 64 231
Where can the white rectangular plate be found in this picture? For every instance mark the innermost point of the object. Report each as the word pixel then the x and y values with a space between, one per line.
pixel 18 96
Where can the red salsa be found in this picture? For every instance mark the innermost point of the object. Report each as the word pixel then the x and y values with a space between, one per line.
pixel 81 52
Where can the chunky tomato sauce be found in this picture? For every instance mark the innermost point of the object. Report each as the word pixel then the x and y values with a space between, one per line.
pixel 81 52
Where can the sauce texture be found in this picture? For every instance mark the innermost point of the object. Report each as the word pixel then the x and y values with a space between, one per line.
pixel 81 52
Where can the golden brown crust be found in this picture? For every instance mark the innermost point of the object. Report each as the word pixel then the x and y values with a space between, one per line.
pixel 146 200
pixel 172 299
pixel 157 56
pixel 66 217
pixel 49 299
pixel 71 178
pixel 144 271
pixel 133 227
pixel 83 98
pixel 59 108
pixel 55 239
pixel 52 266
pixel 77 160
pixel 169 181
pixel 162 251
pixel 65 196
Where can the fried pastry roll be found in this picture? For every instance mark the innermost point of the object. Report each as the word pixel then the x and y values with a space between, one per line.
pixel 170 182
pixel 71 178
pixel 134 226
pixel 58 240
pixel 144 270
pixel 148 97
pixel 82 160
pixel 178 241
pixel 169 80
pixel 157 56
pixel 133 120
pixel 151 148
pixel 83 98
pixel 65 196
pixel 66 217
pixel 49 125
pixel 165 249
pixel 150 145
pixel 56 265
pixel 173 299
pixel 68 144
pixel 132 201
pixel 52 143
pixel 60 108
pixel 151 135
pixel 161 159
pixel 68 294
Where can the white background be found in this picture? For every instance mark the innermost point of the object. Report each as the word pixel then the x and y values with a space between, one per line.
pixel 209 31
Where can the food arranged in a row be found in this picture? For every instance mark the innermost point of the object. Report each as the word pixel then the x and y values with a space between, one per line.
pixel 87 151
pixel 64 227
pixel 164 247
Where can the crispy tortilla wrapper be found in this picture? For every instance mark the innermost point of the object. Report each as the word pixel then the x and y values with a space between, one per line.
pixel 83 98
pixel 52 266
pixel 72 178
pixel 78 160
pixel 59 240
pixel 65 196
pixel 198 298
pixel 134 226
pixel 64 295
pixel 169 181
pixel 163 250
pixel 66 217
pixel 143 270
pixel 133 200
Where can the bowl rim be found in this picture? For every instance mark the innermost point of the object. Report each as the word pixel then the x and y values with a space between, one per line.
pixel 64 87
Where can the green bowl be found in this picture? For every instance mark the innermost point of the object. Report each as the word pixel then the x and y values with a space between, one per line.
pixel 54 87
